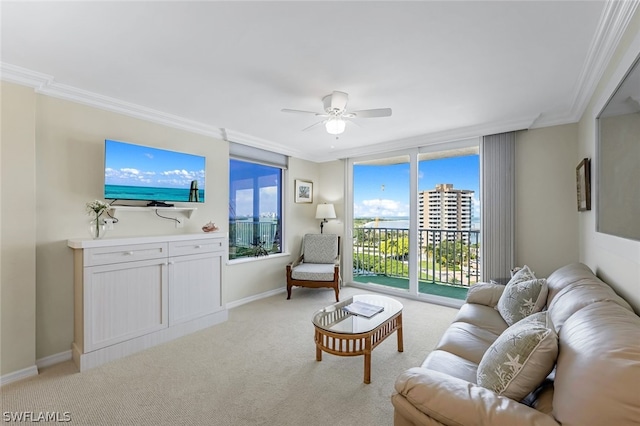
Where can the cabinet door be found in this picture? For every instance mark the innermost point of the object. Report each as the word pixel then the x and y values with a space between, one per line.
pixel 123 301
pixel 194 286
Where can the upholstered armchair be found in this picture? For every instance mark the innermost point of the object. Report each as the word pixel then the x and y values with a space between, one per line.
pixel 318 265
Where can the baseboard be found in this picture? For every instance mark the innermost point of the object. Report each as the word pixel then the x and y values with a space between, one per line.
pixel 54 359
pixel 19 375
pixel 255 297
pixel 86 361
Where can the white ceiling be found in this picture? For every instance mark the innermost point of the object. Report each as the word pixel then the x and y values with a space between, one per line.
pixel 448 70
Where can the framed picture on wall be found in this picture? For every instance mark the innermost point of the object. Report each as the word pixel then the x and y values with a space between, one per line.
pixel 304 191
pixel 583 182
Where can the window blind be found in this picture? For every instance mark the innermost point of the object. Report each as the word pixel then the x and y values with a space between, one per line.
pixel 497 183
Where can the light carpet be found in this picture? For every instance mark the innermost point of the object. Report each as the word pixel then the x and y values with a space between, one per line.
pixel 258 368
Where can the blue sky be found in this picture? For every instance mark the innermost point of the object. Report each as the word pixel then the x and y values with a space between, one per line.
pixel 137 165
pixel 383 191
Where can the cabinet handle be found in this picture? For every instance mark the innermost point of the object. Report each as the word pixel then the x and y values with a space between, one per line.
pixel 198 246
pixel 171 263
pixel 129 253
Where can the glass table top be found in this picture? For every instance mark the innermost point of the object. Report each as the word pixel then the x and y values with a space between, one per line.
pixel 334 318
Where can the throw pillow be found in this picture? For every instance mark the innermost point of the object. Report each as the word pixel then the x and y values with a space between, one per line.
pixel 523 274
pixel 522 298
pixel 520 358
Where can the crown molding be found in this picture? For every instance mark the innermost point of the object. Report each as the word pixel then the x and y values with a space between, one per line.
pixel 613 23
pixel 440 137
pixel 46 85
pixel 244 139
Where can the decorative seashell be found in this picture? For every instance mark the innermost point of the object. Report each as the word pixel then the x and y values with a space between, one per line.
pixel 209 227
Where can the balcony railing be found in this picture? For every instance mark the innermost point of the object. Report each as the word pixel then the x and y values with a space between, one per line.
pixel 253 238
pixel 445 256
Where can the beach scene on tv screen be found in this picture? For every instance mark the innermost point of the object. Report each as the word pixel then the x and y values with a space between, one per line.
pixel 136 172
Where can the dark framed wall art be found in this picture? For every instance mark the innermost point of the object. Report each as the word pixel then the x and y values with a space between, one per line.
pixel 583 185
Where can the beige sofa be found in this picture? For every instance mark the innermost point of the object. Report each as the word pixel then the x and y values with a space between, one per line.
pixel 595 380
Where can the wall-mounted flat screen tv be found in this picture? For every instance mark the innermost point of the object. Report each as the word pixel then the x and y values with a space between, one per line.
pixel 159 176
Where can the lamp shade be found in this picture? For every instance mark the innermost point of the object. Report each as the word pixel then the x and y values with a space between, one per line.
pixel 325 211
pixel 335 125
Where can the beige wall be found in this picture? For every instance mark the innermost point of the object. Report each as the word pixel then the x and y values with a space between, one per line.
pixel 245 279
pixel 69 162
pixel 60 145
pixel 546 212
pixel 56 148
pixel 616 260
pixel 17 229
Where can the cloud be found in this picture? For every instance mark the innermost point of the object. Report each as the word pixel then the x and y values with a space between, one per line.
pixel 380 208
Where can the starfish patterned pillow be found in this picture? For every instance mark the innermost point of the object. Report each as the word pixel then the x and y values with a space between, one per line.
pixel 520 358
pixel 522 298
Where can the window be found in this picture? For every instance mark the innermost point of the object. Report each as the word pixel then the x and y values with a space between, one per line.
pixel 255 204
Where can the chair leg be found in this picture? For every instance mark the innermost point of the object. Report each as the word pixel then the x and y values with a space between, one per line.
pixel 337 291
pixel 288 291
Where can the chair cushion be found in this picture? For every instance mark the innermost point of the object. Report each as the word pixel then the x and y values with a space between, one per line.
pixel 521 358
pixel 313 272
pixel 320 248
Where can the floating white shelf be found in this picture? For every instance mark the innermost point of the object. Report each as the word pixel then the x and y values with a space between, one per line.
pixel 187 211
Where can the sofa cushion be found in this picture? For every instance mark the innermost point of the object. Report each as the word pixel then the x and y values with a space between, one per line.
pixel 521 358
pixel 483 317
pixel 522 298
pixel 486 294
pixel 597 379
pixel 468 341
pixel 574 287
pixel 451 364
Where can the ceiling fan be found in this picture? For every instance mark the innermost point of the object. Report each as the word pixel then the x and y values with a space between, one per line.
pixel 336 115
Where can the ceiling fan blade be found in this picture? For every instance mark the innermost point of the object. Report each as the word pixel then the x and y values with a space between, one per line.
pixel 299 111
pixel 313 125
pixel 339 100
pixel 371 113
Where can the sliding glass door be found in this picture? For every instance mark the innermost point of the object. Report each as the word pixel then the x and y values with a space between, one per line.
pixel 414 221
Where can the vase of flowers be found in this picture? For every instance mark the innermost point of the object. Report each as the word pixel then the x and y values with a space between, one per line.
pixel 97 226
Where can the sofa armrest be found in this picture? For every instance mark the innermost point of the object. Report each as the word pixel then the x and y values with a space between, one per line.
pixel 486 294
pixel 452 401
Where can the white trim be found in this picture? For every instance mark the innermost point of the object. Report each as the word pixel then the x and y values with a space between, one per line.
pixel 613 23
pixel 54 359
pixel 623 67
pixel 86 361
pixel 19 375
pixel 240 302
pixel 445 136
pixel 46 85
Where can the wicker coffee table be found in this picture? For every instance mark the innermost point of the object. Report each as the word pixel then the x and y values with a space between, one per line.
pixel 340 333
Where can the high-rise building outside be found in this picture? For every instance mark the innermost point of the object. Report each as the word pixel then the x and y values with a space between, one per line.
pixel 445 209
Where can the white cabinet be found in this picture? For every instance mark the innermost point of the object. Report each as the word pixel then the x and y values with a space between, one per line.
pixel 134 293
pixel 123 301
pixel 192 268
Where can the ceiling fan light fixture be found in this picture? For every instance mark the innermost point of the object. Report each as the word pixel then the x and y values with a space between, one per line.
pixel 335 125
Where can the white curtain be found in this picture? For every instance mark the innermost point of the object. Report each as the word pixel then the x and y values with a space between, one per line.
pixel 497 183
